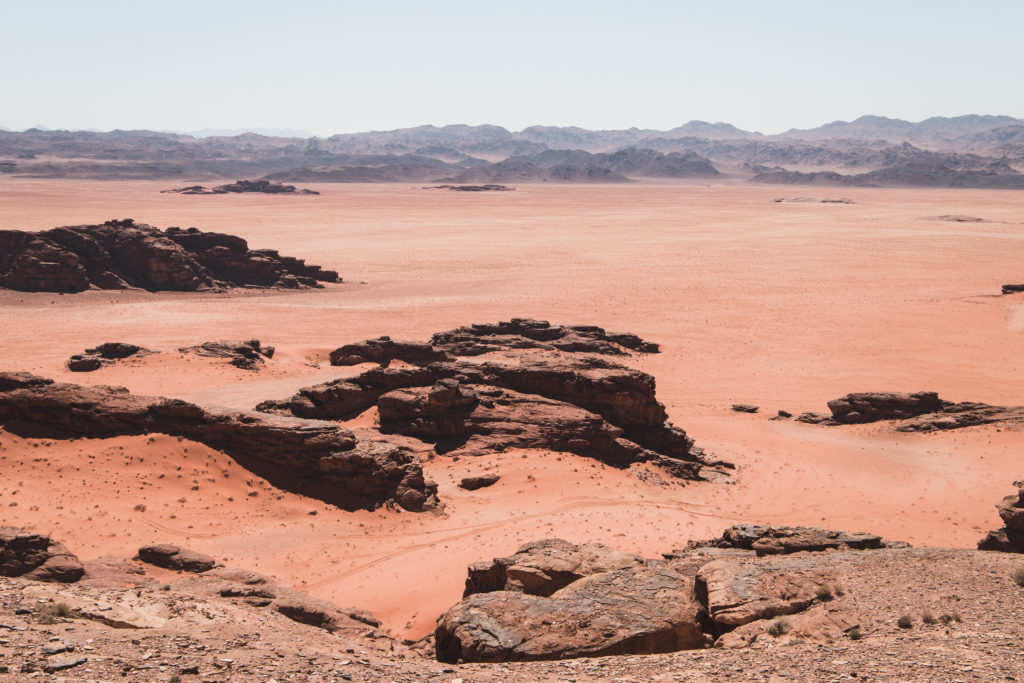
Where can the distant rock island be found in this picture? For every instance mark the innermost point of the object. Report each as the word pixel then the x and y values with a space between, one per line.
pixel 239 186
pixel 123 254
pixel 471 188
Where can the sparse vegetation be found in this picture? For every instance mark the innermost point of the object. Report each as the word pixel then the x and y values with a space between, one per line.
pixel 928 617
pixel 780 626
pixel 950 617
pixel 824 592
pixel 51 613
pixel 1018 576
pixel 855 633
pixel 906 621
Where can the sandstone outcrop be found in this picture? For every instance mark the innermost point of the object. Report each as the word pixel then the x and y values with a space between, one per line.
pixel 637 610
pixel 923 411
pixel 172 557
pixel 543 567
pixel 122 254
pixel 553 599
pixel 321 458
pixel 1009 538
pixel 239 186
pixel 565 400
pixel 247 355
pixel 104 354
pixel 526 333
pixel 783 540
pixel 383 350
pixel 36 556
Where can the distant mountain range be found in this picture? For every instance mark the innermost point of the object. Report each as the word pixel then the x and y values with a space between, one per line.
pixel 970 151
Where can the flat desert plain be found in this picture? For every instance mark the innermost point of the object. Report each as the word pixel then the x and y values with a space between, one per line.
pixel 781 304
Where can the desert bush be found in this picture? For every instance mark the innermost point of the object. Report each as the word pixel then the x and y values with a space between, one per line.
pixel 928 617
pixel 824 592
pixel 855 633
pixel 1018 576
pixel 906 621
pixel 779 627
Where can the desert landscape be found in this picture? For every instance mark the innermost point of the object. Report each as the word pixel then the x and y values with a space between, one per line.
pixel 743 308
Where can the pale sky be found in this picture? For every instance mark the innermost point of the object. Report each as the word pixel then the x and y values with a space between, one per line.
pixel 341 66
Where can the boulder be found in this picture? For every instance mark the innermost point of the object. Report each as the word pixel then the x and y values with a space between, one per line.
pixel 121 254
pixel 1009 538
pixel 637 610
pixel 347 471
pixel 248 355
pixel 36 556
pixel 479 482
pixel 104 354
pixel 739 591
pixel 172 557
pixel 543 567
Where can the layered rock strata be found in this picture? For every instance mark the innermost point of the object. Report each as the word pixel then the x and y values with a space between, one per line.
pixel 122 254
pixel 554 600
pixel 923 411
pixel 557 399
pixel 292 452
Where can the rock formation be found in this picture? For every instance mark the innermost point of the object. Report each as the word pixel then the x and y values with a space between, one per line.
pixel 479 482
pixel 324 458
pixel 559 399
pixel 923 411
pixel 36 556
pixel 554 600
pixel 172 557
pixel 247 355
pixel 104 354
pixel 471 188
pixel 126 255
pixel 639 610
pixel 783 540
pixel 1009 538
pixel 526 333
pixel 239 186
pixel 545 566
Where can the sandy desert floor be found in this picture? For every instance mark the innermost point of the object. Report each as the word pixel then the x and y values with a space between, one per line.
pixel 785 305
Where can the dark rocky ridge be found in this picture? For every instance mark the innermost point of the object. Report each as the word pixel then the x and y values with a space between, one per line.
pixel 923 411
pixel 323 459
pixel 240 186
pixel 554 399
pixel 126 255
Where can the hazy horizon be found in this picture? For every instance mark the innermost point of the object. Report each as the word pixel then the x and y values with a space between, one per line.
pixel 344 67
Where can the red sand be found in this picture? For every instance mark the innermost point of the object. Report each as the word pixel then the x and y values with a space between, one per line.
pixel 784 305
